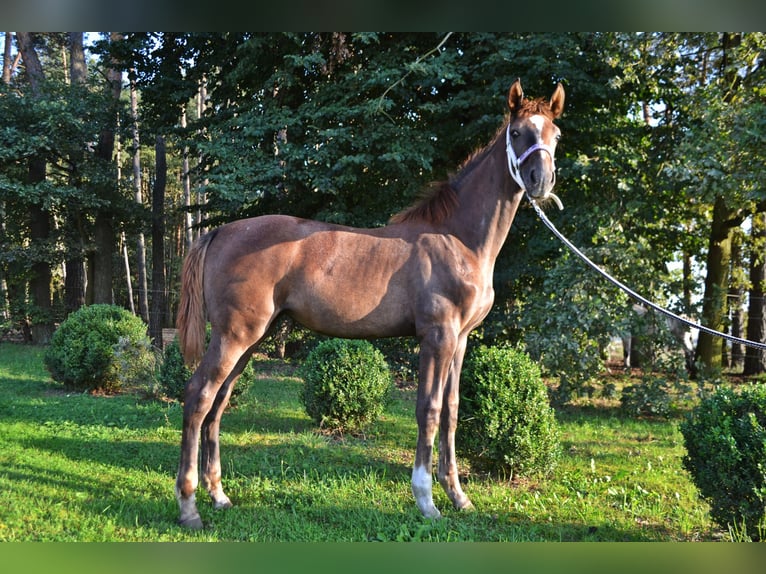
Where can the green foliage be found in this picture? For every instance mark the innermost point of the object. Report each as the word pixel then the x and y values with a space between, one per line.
pixel 401 354
pixel 347 384
pixel 173 374
pixel 568 323
pixel 348 127
pixel 725 438
pixel 506 423
pixel 137 364
pixel 291 484
pixel 82 353
pixel 649 397
pixel 662 392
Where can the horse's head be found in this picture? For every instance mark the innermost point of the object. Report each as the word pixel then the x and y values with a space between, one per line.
pixel 531 138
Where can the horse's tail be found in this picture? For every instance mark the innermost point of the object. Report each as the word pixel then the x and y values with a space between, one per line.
pixel 191 320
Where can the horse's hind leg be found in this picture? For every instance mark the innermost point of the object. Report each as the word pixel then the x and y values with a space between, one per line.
pixel 200 395
pixel 210 456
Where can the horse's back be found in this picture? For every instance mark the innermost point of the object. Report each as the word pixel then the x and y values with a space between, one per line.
pixel 334 279
pixel 343 281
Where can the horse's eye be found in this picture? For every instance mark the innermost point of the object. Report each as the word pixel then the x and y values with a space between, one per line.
pixel 515 133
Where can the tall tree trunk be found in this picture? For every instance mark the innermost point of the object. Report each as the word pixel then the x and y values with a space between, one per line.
pixel 143 289
pixel 688 282
pixel 709 348
pixel 188 235
pixel 40 218
pixel 41 315
pixel 156 314
pixel 5 310
pixel 734 300
pixel 101 259
pixel 104 235
pixel 755 359
pixel 201 105
pixel 78 69
pixel 128 281
pixel 74 282
pixel 9 62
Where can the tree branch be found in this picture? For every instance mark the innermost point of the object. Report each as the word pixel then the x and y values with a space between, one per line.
pixel 400 80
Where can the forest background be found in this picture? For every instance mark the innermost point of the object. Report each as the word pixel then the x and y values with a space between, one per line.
pixel 118 149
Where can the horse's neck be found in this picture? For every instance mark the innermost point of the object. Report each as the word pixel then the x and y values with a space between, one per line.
pixel 488 199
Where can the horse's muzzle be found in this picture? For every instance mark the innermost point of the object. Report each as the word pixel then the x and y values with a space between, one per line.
pixel 544 197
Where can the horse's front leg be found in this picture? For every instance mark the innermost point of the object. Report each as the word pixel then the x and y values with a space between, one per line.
pixel 447 470
pixel 436 352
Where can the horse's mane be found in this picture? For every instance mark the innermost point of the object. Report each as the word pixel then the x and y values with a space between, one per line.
pixel 439 199
pixel 437 203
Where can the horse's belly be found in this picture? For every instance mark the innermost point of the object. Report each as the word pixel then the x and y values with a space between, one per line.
pixel 341 311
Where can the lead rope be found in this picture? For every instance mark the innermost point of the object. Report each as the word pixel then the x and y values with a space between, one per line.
pixel 629 291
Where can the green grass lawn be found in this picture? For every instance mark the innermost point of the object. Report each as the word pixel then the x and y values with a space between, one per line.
pixel 78 467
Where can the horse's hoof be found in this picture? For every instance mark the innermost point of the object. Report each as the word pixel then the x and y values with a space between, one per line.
pixel 192 523
pixel 222 504
pixel 467 506
pixel 431 512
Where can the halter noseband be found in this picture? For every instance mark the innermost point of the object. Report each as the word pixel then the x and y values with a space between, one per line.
pixel 514 163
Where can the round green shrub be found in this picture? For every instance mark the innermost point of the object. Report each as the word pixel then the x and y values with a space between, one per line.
pixel 347 383
pixel 725 439
pixel 506 424
pixel 173 375
pixel 82 351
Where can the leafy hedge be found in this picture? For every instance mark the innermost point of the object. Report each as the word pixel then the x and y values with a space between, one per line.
pixel 82 352
pixel 347 383
pixel 725 438
pixel 506 424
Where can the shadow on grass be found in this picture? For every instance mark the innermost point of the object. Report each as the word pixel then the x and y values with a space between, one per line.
pixel 103 456
pixel 116 457
pixel 281 492
pixel 131 483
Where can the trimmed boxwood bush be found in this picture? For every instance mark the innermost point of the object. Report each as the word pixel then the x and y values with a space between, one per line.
pixel 173 375
pixel 347 383
pixel 506 425
pixel 725 438
pixel 82 351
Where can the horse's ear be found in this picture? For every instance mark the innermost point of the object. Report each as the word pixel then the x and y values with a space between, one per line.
pixel 515 96
pixel 557 101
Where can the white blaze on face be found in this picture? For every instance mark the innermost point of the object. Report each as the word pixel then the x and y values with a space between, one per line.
pixel 538 122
